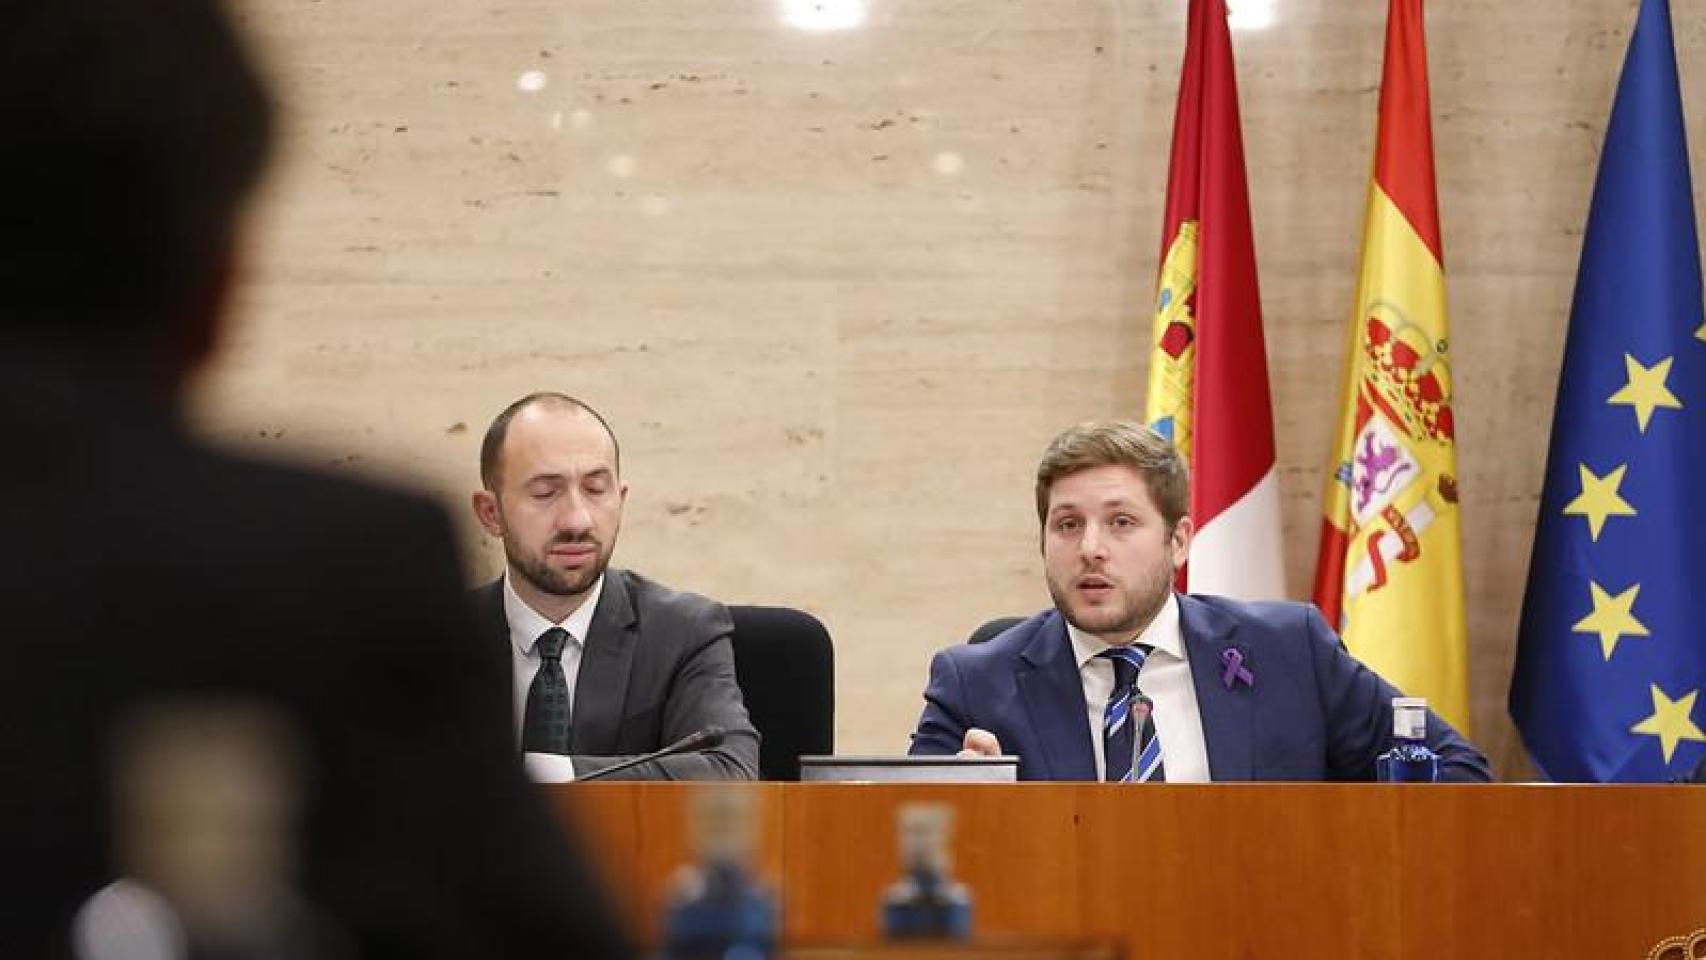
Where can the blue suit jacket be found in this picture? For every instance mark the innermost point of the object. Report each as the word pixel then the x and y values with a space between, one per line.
pixel 1313 712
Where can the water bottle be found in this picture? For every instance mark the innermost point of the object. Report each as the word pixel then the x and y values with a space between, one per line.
pixel 1410 760
pixel 717 908
pixel 925 903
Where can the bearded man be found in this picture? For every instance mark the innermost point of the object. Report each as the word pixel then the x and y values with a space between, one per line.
pixel 1126 680
pixel 608 665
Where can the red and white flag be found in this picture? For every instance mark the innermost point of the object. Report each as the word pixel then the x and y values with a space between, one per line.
pixel 1208 369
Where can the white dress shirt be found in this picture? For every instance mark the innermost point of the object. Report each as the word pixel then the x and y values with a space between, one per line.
pixel 526 625
pixel 1165 680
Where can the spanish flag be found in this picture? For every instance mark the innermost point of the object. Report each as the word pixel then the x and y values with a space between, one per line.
pixel 1208 368
pixel 1390 570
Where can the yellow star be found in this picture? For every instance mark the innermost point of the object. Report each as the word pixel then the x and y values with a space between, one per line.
pixel 1700 334
pixel 1612 618
pixel 1670 721
pixel 1646 389
pixel 1599 498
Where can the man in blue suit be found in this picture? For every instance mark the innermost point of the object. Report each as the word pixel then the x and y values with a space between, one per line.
pixel 1127 680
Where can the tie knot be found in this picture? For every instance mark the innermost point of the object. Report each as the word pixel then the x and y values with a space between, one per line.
pixel 1127 662
pixel 551 643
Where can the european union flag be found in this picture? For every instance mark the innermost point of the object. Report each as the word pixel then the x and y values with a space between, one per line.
pixel 1611 656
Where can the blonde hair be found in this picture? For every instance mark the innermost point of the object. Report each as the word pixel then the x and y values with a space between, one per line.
pixel 1101 443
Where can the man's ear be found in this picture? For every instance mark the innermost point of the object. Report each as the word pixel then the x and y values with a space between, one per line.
pixel 485 504
pixel 1183 531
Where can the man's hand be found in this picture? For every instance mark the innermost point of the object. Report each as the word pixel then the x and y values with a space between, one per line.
pixel 980 743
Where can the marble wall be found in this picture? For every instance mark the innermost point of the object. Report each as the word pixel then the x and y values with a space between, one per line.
pixel 837 287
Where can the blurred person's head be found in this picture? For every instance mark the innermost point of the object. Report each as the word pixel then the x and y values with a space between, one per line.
pixel 133 132
pixel 552 491
pixel 1112 498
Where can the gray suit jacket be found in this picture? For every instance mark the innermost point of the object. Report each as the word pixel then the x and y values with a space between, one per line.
pixel 657 666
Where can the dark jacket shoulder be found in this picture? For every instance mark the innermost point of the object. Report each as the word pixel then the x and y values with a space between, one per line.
pixel 627 598
pixel 663 608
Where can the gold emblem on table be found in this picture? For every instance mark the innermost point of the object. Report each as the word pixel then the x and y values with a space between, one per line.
pixel 1689 946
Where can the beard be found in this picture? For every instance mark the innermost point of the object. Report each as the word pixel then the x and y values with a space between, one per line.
pixel 543 578
pixel 1138 603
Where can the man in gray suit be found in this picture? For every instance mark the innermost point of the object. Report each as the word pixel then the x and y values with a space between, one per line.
pixel 608 665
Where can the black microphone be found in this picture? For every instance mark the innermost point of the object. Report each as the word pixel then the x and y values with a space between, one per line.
pixel 711 736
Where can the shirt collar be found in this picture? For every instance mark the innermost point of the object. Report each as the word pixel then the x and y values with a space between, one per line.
pixel 526 623
pixel 1162 634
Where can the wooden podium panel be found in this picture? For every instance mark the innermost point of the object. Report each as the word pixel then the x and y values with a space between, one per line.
pixel 985 949
pixel 1226 870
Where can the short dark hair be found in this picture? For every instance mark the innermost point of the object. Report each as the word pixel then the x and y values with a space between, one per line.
pixel 1118 443
pixel 132 134
pixel 491 448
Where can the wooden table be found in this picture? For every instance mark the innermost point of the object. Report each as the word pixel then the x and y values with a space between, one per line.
pixel 1229 870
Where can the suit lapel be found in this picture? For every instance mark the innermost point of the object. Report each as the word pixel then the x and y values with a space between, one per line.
pixel 489 614
pixel 606 659
pixel 1053 693
pixel 493 624
pixel 1228 713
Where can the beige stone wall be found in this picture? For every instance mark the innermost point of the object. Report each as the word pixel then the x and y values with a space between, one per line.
pixel 836 289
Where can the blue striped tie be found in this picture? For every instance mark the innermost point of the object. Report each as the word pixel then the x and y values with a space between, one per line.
pixel 1121 739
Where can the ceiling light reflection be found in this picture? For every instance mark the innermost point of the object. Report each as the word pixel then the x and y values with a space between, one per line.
pixel 1250 14
pixel 820 15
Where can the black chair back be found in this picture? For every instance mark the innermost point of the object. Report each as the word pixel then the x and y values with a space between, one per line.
pixel 785 665
pixel 993 629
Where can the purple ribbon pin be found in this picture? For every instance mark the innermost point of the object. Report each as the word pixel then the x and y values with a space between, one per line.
pixel 1233 660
